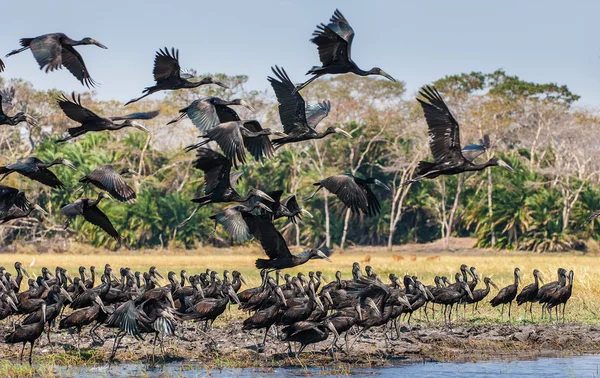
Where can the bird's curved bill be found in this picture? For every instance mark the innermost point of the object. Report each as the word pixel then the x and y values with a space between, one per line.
pixel 114 276
pixel 234 296
pixel 402 299
pixel 220 84
pixel 11 303
pixel 264 207
pixel 264 195
pixel 44 212
pixel 343 132
pixel 494 285
pixel 539 277
pixel 323 256
pixel 44 312
pixel 469 291
pixel 304 211
pixel 67 295
pixel 331 327
pixel 67 163
pixel 82 285
pixel 369 302
pixel 32 121
pixel 384 186
pixel 139 126
pixel 388 76
pixel 24 272
pixel 279 293
pixel 247 105
pixel 99 44
pixel 68 277
pixel 505 165
pixel 328 296
pixel 199 290
pixel 100 303
pixel 358 311
pixel 242 279
pixel 319 303
pixel 280 134
pixel 158 274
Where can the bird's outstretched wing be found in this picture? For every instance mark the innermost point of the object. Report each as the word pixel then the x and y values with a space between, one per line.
pixel 233 222
pixel 8 196
pixel 292 107
pixel 259 147
pixel 474 150
pixel 74 110
pixel 229 137
pixel 112 182
pixel 203 115
pixel 326 251
pixel 75 64
pixel 139 115
pixel 444 133
pixel 2 66
pixel 47 51
pixel 216 167
pixel 73 209
pixel 270 239
pixel 166 64
pixel 46 177
pixel 315 113
pixel 95 216
pixel 348 191
pixel 334 40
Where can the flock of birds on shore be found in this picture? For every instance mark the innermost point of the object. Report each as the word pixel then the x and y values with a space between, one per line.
pixel 300 309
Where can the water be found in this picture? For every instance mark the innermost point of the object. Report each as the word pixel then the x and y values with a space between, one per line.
pixel 576 367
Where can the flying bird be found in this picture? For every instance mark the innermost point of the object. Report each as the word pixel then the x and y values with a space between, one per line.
pixel 14 204
pixel 594 215
pixel 236 137
pixel 444 141
pixel 88 208
pixel 474 150
pixel 208 112
pixel 53 51
pixel 353 191
pixel 17 118
pixel 299 120
pixel 107 179
pixel 2 66
pixel 334 42
pixel 35 169
pixel 167 75
pixel 90 121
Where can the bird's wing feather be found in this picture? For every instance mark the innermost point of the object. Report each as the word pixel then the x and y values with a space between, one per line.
pixel 95 216
pixel 292 107
pixel 216 168
pixel 113 183
pixel 229 138
pixel 315 113
pixel 348 191
pixel 270 239
pixel 73 209
pixel 232 221
pixel 47 51
pixel 8 197
pixel 259 147
pixel 203 115
pixel 75 64
pixel 74 110
pixel 138 115
pixel 226 114
pixel 46 177
pixel 444 135
pixel 166 64
pixel 334 40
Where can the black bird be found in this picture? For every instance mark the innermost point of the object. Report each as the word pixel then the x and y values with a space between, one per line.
pixel 27 333
pixel 88 208
pixel 236 137
pixel 219 182
pixel 276 248
pixel 209 112
pixel 480 294
pixel 594 215
pixel 17 118
pixel 444 141
pixel 299 120
pixel 507 294
pixel 530 292
pixel 52 51
pixel 545 292
pixel 265 318
pixel 561 296
pixel 353 191
pixel 334 42
pixel 474 150
pixel 2 66
pixel 90 121
pixel 167 75
pixel 14 204
pixel 233 222
pixel 37 170
pixel 307 333
pixel 80 318
pixel 106 178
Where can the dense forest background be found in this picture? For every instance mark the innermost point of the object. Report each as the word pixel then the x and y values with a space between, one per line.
pixel 536 127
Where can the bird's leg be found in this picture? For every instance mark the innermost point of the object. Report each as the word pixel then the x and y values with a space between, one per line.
pixel 509 307
pixel 564 307
pixel 531 310
pixel 265 338
pixel 303 85
pixel 48 335
pixel 154 346
pixel 315 192
pixel 4 176
pixel 115 345
pixel 31 351
pixel 502 313
pixel 22 350
pixel 186 220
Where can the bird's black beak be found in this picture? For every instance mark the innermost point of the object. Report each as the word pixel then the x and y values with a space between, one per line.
pixel 505 165
pixel 99 44
pixel 220 84
pixel 377 182
pixel 387 76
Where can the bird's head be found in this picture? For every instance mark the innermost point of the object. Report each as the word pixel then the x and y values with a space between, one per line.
pixel 538 274
pixel 379 183
pixel 19 266
pixel 518 274
pixel 137 125
pixel 107 196
pixel 371 304
pixel 489 280
pixel 261 194
pixel 210 80
pixel 243 103
pixel 64 162
pixel 380 72
pixel 92 41
pixel 337 130
pixel 500 163
pixel 126 171
pixel 318 254
pixel 41 210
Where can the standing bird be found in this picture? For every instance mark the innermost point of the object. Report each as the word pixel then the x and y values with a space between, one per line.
pixel 106 178
pixel 27 333
pixel 88 208
pixel 530 292
pixel 14 205
pixel 306 333
pixel 561 296
pixel 167 75
pixel 17 118
pixel 334 42
pixel 299 120
pixel 37 170
pixel 90 121
pixel 52 51
pixel 237 136
pixel 353 192
pixel 444 142
pixel 507 294
pixel 209 112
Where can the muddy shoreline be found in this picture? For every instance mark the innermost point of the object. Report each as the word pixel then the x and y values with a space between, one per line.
pixel 234 348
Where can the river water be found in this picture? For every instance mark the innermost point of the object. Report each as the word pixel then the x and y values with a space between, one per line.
pixel 576 367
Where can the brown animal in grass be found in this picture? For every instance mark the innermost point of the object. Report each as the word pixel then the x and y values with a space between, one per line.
pixel 413 257
pixel 366 259
pixel 433 258
pixel 397 258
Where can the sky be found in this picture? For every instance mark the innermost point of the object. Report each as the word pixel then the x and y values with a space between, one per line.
pixel 415 41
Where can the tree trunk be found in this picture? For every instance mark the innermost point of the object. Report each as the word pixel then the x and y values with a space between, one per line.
pixel 345 233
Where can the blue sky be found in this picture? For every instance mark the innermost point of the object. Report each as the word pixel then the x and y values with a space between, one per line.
pixel 416 42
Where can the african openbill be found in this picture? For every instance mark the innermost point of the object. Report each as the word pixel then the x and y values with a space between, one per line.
pixel 88 208
pixel 530 292
pixel 266 317
pixel 298 119
pixel 52 51
pixel 208 112
pixel 27 333
pixel 17 118
pixel 507 294
pixel 54 305
pixel 561 296
pixel 545 292
pixel 14 205
pixel 480 294
pixel 307 333
pixel 219 182
pixel 167 75
pixel 208 309
pixel 276 248
pixel 450 297
pixel 90 121
pixel 97 313
pixel 444 141
pixel 334 42
pixel 233 222
pixel 20 272
pixel 35 169
pixel 353 191
pixel 107 179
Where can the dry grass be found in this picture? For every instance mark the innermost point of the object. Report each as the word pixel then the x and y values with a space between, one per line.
pixel 425 261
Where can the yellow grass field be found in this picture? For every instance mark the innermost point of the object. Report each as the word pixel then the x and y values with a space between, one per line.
pixel 424 261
